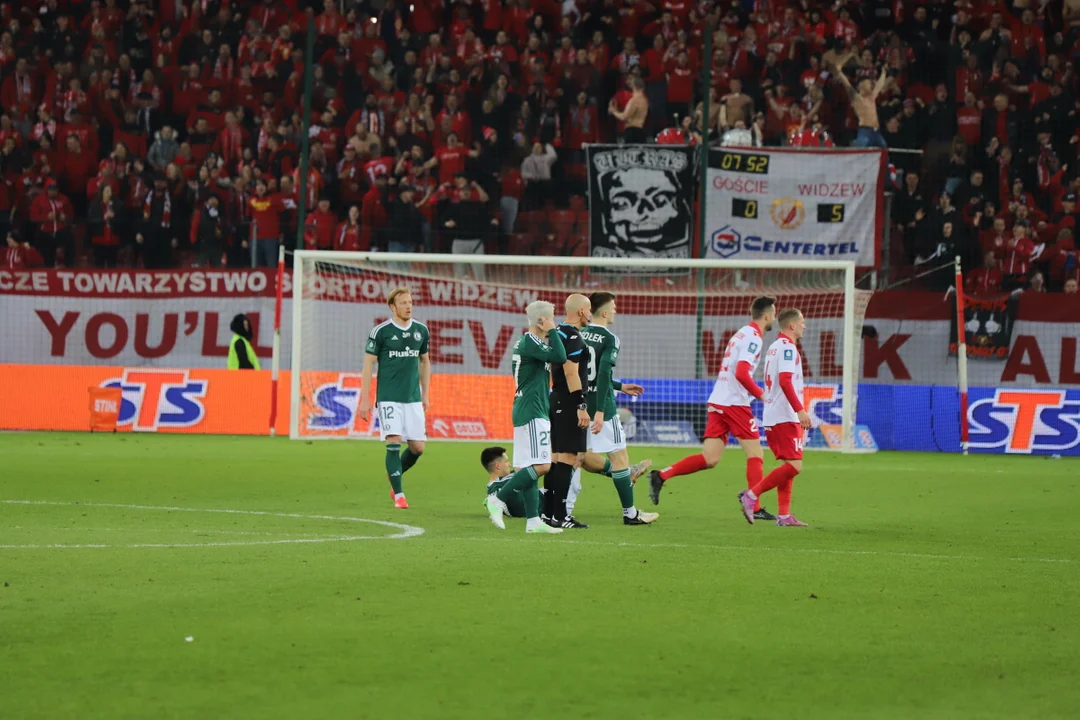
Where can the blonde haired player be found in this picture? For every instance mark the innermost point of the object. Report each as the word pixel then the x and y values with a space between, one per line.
pixel 785 419
pixel 729 406
pixel 400 347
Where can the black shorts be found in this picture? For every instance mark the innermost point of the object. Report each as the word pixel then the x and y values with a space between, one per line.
pixel 566 436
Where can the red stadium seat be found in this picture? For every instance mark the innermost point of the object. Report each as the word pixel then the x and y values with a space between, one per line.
pixel 563 222
pixel 521 244
pixel 577 202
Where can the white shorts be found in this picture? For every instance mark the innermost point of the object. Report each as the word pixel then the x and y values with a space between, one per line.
pixel 610 439
pixel 404 419
pixel 532 443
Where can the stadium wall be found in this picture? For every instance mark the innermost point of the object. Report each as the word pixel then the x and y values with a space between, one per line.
pixel 62 332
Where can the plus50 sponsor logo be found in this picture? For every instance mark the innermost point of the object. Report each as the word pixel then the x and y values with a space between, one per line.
pixel 1026 421
pixel 153 400
pixel 727 242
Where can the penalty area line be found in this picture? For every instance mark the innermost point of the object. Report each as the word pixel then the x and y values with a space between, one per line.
pixel 751 548
pixel 404 531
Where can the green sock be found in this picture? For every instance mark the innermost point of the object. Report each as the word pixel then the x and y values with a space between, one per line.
pixel 521 480
pixel 607 469
pixel 625 488
pixel 531 495
pixel 408 459
pixel 393 465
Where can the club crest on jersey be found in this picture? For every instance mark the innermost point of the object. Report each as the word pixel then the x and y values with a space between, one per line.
pixel 416 336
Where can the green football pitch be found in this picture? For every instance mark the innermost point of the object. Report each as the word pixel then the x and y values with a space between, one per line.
pixel 199 577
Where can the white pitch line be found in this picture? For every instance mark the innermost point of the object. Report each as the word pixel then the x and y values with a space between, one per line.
pixel 751 548
pixel 406 531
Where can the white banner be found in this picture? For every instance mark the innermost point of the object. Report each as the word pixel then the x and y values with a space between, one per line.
pixel 786 204
pixel 193 332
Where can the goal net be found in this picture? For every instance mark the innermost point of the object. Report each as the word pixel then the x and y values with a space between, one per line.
pixel 674 320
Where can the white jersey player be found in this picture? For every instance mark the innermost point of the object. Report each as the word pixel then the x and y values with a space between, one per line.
pixel 729 405
pixel 785 419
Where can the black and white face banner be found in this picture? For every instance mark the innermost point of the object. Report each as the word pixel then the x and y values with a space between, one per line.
pixel 640 200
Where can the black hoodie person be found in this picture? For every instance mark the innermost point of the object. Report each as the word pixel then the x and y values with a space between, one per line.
pixel 241 353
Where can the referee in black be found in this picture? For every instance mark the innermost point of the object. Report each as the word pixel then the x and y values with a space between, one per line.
pixel 569 418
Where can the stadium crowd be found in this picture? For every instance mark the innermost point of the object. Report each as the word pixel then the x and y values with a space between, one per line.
pixel 169 132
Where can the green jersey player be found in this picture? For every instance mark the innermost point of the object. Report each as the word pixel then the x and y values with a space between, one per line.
pixel 400 347
pixel 606 434
pixel 530 415
pixel 499 471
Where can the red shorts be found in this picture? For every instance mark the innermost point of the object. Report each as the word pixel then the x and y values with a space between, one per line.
pixel 737 420
pixel 785 440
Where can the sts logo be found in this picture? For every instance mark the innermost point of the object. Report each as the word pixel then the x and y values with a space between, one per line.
pixel 159 400
pixel 1026 421
pixel 331 408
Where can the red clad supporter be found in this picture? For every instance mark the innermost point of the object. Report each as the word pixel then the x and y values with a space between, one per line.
pixel 986 279
pixel 349 235
pixel 450 159
pixel 266 209
pixel 78 166
pixel 19 254
pixel 52 213
pixel 1015 256
pixel 320 226
pixel 373 212
pixel 1064 261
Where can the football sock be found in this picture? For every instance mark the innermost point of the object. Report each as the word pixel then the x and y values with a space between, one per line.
pixel 774 479
pixel 625 488
pixel 575 490
pixel 686 466
pixel 607 468
pixel 558 482
pixel 783 494
pixel 753 476
pixel 531 496
pixel 630 512
pixel 408 459
pixel 520 480
pixel 393 465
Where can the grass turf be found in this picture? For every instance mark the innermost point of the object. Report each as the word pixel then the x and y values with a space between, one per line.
pixel 929 586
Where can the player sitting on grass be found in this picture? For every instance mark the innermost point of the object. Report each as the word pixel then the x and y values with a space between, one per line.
pixel 532 424
pixel 785 419
pixel 499 471
pixel 400 347
pixel 606 433
pixel 729 407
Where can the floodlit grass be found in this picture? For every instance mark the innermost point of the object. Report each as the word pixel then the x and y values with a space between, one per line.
pixel 928 586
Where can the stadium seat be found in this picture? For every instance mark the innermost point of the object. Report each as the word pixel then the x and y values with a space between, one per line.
pixel 563 223
pixel 531 221
pixel 521 244
pixel 577 203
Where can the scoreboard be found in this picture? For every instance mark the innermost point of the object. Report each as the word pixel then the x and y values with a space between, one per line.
pixel 785 204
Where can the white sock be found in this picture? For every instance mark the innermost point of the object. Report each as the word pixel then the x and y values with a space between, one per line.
pixel 399 495
pixel 630 512
pixel 784 517
pixel 533 522
pixel 750 494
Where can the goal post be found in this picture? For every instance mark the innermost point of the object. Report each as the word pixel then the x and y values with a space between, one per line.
pixel 474 308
